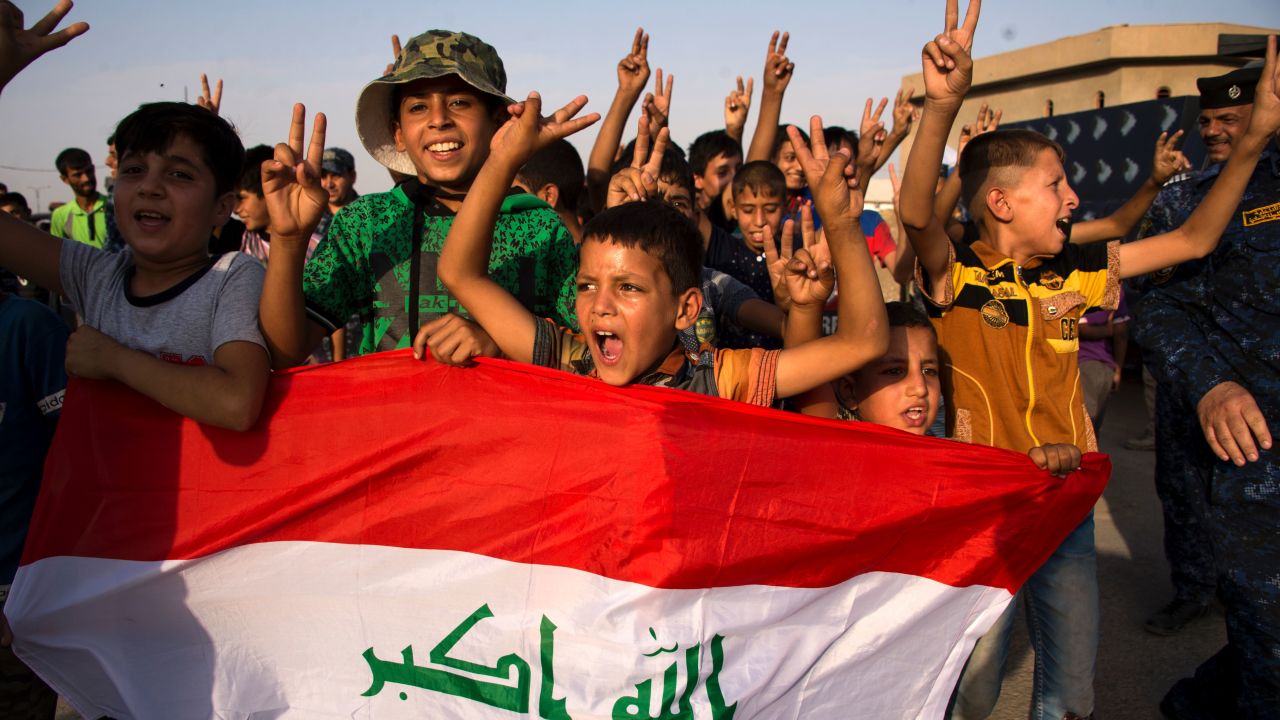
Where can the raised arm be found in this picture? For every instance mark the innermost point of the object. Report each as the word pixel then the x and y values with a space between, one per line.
pixel 1199 235
pixel 777 75
pixel 464 262
pixel 903 259
pixel 804 324
pixel 295 201
pixel 633 75
pixel 24 249
pixel 862 328
pixel 904 117
pixel 1167 162
pixel 948 73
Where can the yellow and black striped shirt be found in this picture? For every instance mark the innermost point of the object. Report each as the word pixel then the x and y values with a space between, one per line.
pixel 1008 336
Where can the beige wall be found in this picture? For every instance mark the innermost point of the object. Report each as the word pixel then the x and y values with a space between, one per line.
pixel 1127 62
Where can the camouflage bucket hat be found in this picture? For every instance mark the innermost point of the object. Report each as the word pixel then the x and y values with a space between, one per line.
pixel 433 54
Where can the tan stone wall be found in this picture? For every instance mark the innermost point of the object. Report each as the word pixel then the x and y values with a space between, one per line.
pixel 1127 62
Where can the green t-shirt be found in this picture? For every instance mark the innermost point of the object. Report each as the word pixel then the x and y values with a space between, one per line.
pixel 362 266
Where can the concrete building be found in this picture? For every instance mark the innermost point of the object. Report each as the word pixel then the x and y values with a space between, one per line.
pixel 1112 66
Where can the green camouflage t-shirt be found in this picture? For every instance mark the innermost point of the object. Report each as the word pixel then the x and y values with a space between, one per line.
pixel 362 266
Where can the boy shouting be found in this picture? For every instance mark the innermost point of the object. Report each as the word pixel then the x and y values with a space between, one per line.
pixel 638 285
pixel 1007 309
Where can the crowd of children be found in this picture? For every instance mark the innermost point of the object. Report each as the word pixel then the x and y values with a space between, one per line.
pixel 709 272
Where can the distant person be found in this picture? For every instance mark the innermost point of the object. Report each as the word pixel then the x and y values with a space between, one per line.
pixel 555 175
pixel 33 344
pixel 338 178
pixel 85 219
pixel 16 205
pixel 115 243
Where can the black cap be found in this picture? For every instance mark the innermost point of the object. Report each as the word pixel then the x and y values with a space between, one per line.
pixel 1234 88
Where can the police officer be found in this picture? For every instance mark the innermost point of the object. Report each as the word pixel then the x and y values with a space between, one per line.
pixel 1213 340
pixel 1183 459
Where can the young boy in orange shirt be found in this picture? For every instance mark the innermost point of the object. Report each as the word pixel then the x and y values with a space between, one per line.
pixel 638 285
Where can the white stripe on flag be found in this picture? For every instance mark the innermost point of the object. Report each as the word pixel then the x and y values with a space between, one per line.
pixel 282 629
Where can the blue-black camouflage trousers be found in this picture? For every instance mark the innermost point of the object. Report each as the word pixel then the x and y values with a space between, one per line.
pixel 1183 464
pixel 1244 524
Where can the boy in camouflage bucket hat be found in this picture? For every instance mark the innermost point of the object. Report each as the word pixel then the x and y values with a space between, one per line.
pixel 433 54
pixel 431 118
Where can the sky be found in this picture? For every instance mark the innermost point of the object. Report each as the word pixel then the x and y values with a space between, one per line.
pixel 274 53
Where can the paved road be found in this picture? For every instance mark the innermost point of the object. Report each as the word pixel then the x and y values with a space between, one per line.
pixel 1135 668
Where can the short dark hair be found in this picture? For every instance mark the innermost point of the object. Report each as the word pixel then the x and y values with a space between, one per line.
pixel 251 175
pixel 708 145
pixel 906 315
pixel 154 127
pixel 834 135
pixel 659 230
pixel 675 170
pixel 783 137
pixel 997 150
pixel 558 164
pixel 72 159
pixel 762 178
pixel 629 153
pixel 14 198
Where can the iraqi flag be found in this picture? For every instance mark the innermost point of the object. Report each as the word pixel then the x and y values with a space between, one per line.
pixel 400 539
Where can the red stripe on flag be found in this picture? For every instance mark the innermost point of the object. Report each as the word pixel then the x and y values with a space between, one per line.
pixel 654 486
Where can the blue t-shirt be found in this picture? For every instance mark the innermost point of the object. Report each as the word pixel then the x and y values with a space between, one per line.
pixel 33 346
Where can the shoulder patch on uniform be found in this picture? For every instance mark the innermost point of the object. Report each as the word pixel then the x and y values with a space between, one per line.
pixel 1264 214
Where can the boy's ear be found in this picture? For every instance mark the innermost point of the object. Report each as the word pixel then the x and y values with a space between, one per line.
pixel 997 202
pixel 688 305
pixel 846 392
pixel 223 206
pixel 399 138
pixel 697 183
pixel 549 194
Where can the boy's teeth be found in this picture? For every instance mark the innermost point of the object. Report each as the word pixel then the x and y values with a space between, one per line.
pixel 444 146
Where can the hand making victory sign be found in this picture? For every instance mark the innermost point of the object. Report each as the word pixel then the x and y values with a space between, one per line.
pixel 527 131
pixel 836 192
pixel 657 104
pixel 948 66
pixel 737 105
pixel 778 70
pixel 986 122
pixel 395 55
pixel 291 181
pixel 633 70
pixel 640 180
pixel 1168 160
pixel 20 47
pixel 904 113
pixel 806 276
pixel 211 101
